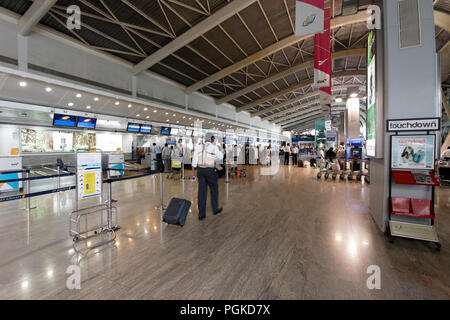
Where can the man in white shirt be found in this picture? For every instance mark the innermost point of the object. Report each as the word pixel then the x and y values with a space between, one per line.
pixel 204 159
pixel 287 153
pixel 295 155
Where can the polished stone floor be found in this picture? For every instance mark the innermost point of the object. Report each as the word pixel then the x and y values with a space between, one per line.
pixel 286 236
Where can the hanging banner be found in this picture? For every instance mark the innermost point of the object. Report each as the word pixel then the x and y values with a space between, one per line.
pixel 322 61
pixel 309 17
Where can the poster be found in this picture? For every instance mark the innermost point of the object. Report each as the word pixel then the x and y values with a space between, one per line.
pixel 413 152
pixel 309 17
pixel 371 96
pixel 89 175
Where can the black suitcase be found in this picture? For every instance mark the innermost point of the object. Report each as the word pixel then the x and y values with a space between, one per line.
pixel 177 211
pixel 312 162
pixel 300 163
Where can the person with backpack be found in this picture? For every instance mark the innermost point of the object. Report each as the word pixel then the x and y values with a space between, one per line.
pixel 205 158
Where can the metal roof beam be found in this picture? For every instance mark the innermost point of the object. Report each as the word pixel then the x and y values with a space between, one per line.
pixel 34 14
pixel 291 70
pixel 296 99
pixel 296 87
pixel 201 28
pixel 277 46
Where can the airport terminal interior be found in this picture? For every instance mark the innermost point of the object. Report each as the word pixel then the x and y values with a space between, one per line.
pixel 320 126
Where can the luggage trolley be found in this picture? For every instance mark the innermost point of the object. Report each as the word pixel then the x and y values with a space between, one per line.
pixel 94 226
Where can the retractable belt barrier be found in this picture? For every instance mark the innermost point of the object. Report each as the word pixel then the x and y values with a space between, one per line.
pixel 28 194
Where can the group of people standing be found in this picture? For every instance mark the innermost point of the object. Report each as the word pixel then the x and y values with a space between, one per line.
pixel 287 150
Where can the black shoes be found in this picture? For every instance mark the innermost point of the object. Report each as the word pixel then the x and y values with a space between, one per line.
pixel 215 213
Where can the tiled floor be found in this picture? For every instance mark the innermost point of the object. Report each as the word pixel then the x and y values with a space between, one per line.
pixel 286 236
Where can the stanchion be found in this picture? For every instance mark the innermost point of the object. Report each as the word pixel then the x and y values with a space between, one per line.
pixel 227 174
pixel 27 191
pixel 161 193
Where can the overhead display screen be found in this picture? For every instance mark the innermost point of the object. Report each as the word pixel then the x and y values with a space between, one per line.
pixel 166 131
pixel 89 123
pixel 134 127
pixel 63 120
pixel 145 128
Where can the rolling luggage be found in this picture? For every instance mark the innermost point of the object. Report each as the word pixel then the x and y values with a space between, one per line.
pixel 300 163
pixel 312 162
pixel 177 211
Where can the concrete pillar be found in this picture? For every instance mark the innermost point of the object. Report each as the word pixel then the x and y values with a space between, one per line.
pixel 408 75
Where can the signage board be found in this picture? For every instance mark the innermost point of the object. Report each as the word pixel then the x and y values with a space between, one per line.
pixel 309 17
pixel 371 124
pixel 10 164
pixel 413 231
pixel 413 152
pixel 89 175
pixel 424 124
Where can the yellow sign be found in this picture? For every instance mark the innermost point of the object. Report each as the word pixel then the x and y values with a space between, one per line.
pixel 15 151
pixel 89 183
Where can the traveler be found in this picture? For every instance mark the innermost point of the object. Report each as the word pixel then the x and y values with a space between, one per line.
pixel 287 153
pixel 157 155
pixel 295 155
pixel 205 158
pixel 166 157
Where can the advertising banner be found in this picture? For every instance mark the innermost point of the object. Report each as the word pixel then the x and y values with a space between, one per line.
pixel 322 62
pixel 10 164
pixel 371 96
pixel 309 17
pixel 413 152
pixel 429 124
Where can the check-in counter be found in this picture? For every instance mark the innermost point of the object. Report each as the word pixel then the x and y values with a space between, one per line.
pixel 10 163
pixel 114 161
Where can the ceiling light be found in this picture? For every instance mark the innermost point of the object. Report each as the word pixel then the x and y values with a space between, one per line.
pixel 130 105
pixel 70 104
pixel 88 107
pixel 78 95
pixel 174 114
pixel 354 95
pixel 138 115
pixel 22 84
pixel 167 113
pixel 155 111
pixel 117 103
pixel 145 109
pixel 190 118
pixel 178 121
pixel 96 99
pixel 167 120
pixel 48 89
pixel 184 117
pixel 148 117
pixel 339 100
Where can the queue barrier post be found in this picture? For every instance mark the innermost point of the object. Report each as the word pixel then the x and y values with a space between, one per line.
pixel 28 191
pixel 161 193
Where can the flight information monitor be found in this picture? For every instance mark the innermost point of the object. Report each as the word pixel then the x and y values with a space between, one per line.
pixel 133 127
pixel 166 131
pixel 89 123
pixel 145 128
pixel 63 120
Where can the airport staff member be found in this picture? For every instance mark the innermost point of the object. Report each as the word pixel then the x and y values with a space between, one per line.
pixel 205 156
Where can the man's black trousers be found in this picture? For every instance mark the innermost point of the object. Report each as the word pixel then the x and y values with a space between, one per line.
pixel 207 177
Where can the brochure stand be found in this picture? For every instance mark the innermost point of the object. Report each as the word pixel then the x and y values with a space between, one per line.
pixel 412 173
pixel 94 226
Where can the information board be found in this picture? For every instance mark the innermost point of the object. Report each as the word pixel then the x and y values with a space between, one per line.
pixel 371 96
pixel 89 175
pixel 413 152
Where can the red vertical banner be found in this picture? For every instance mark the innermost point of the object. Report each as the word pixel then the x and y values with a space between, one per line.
pixel 322 61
